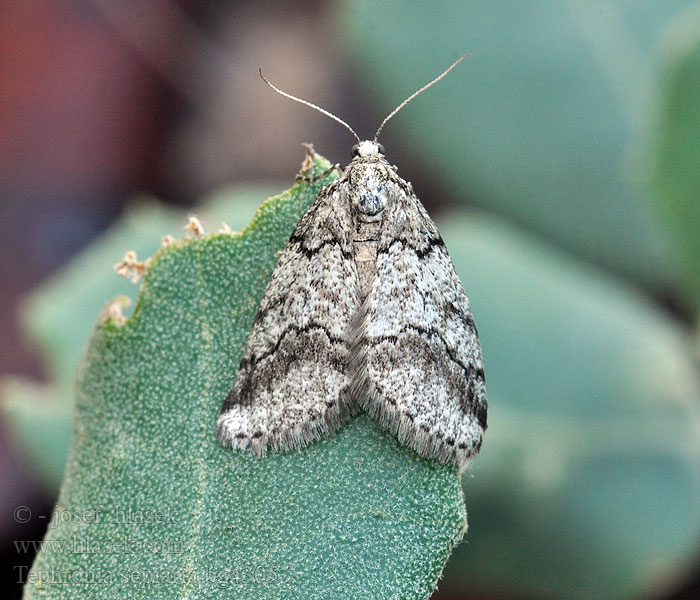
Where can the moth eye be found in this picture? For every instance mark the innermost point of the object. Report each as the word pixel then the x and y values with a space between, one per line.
pixel 381 148
pixel 355 151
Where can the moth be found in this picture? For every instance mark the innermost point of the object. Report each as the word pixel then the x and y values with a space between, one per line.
pixel 363 312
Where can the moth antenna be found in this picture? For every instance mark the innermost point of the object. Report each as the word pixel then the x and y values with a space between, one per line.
pixel 318 108
pixel 420 91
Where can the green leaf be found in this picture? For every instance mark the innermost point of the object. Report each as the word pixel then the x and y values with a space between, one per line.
pixel 56 319
pixel 58 316
pixel 536 124
pixel 354 515
pixel 588 484
pixel 674 147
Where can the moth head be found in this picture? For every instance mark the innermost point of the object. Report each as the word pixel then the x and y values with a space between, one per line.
pixel 367 148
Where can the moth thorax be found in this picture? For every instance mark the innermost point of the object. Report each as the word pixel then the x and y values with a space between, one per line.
pixel 370 196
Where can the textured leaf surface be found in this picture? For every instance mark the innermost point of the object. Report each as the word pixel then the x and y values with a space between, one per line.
pixel 536 124
pixel 589 483
pixel 354 515
pixel 675 148
pixel 58 316
pixel 56 319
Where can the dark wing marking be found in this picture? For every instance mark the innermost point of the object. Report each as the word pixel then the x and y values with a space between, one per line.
pixel 292 383
pixel 416 360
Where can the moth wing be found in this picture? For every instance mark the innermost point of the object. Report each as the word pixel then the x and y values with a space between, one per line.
pixel 292 384
pixel 416 355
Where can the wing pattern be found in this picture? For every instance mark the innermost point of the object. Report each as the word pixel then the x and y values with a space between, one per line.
pixel 395 338
pixel 417 362
pixel 292 384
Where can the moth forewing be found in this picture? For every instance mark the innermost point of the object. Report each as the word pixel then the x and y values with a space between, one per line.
pixel 364 311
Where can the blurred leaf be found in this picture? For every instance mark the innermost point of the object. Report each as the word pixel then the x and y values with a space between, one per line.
pixel 355 515
pixel 588 485
pixel 58 316
pixel 536 124
pixel 40 424
pixel 675 144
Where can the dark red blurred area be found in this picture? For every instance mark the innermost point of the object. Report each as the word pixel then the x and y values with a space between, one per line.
pixel 81 122
pixel 78 106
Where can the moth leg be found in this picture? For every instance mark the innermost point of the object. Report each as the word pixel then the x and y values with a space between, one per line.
pixel 326 173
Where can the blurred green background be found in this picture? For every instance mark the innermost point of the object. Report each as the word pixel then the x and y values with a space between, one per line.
pixel 561 162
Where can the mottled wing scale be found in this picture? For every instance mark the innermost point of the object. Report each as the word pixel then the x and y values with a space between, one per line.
pixel 292 385
pixel 416 361
pixel 364 311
